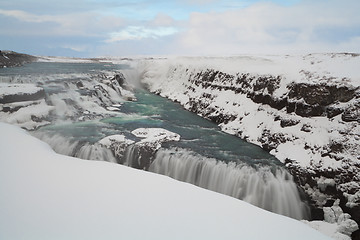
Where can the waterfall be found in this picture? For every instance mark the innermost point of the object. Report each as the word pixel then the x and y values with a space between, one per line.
pixel 65 146
pixel 131 157
pixel 58 143
pixel 95 152
pixel 274 191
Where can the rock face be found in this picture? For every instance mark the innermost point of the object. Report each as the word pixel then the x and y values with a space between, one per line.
pixel 14 59
pixel 20 93
pixel 309 121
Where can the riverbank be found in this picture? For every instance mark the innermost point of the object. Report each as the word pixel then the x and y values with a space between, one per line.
pixel 302 109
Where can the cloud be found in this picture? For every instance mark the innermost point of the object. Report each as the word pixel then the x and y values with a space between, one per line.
pixel 26 17
pixel 270 28
pixel 162 20
pixel 72 24
pixel 140 32
pixel 202 27
pixel 200 2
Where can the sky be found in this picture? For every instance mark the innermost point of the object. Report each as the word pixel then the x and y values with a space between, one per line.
pixel 94 28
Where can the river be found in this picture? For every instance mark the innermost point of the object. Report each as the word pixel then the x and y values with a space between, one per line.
pixel 86 112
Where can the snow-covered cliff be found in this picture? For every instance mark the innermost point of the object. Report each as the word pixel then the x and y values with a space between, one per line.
pixel 305 110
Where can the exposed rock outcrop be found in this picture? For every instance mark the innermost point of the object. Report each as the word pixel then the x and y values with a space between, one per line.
pixel 14 59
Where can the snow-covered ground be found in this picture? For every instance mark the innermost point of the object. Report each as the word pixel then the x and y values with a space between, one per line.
pixel 45 195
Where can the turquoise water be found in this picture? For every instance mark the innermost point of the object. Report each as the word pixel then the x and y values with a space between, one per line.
pixel 197 134
pixel 204 156
pixel 150 111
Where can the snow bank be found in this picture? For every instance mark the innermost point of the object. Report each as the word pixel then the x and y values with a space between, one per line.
pixel 18 89
pixel 155 136
pixel 107 141
pixel 50 196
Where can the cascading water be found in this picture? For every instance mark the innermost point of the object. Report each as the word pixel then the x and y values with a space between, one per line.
pixel 273 191
pixel 95 152
pixel 89 107
pixel 77 149
pixel 58 143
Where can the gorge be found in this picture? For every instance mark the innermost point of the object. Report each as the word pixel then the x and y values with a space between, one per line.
pixel 307 120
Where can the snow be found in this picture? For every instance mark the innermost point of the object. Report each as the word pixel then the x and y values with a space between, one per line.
pixel 11 89
pixel 57 59
pixel 155 136
pixel 24 117
pixel 107 141
pixel 328 228
pixel 337 224
pixel 342 67
pixel 50 196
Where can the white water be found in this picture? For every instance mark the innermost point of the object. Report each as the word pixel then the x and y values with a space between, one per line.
pixel 275 192
pixel 58 143
pixel 95 152
pixel 130 156
pixel 63 145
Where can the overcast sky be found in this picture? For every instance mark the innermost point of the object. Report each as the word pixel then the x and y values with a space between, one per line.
pixel 90 28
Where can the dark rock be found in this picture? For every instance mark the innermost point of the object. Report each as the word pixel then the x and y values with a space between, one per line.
pixel 278 103
pixel 270 83
pixel 260 98
pixel 288 122
pixel 79 84
pixel 322 95
pixel 120 79
pixel 14 59
pixel 20 97
pixel 222 118
pixel 333 111
pixel 270 141
pixel 268 100
pixel 306 128
pixel 352 114
pixel 336 147
pixel 306 110
pixel 139 156
pixel 290 107
pixel 317 214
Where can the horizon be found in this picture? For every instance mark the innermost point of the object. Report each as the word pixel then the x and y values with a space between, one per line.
pixel 104 28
